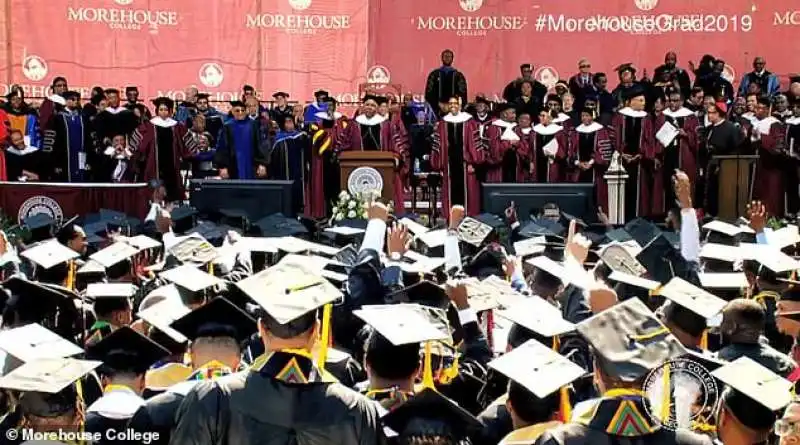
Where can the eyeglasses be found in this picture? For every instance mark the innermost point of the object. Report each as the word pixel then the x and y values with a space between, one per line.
pixel 785 428
pixel 585 66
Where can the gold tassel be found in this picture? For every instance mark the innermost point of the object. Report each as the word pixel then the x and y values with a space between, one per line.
pixel 325 336
pixel 211 268
pixel 80 400
pixel 704 340
pixel 564 406
pixel 427 368
pixel 70 284
pixel 666 396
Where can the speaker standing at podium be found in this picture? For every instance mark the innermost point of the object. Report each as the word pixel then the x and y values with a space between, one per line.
pixel 722 138
pixel 377 133
pixel 768 140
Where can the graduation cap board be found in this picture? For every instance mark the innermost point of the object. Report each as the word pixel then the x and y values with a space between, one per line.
pixel 726 228
pixel 693 298
pixel 278 225
pixel 162 314
pixel 193 249
pixel 127 350
pixel 217 318
pixel 539 316
pixel 189 277
pixel 35 342
pixel 530 247
pixel 97 291
pixel 414 227
pixel 771 257
pixel 502 291
pixel 785 236
pixel 258 244
pixel 49 253
pixel 756 382
pixel 481 297
pixel 313 262
pixel 114 254
pixel 721 252
pixel 288 292
pixel 433 238
pixel 91 267
pixel 619 259
pixel 577 276
pixel 538 368
pixel 142 242
pixel 431 405
pixel 47 375
pixel 633 280
pixel 406 323
pixel 629 340
pixel 732 280
pixel 345 230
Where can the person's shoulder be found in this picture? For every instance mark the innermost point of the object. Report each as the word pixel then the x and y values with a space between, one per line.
pixel 565 433
pixel 686 437
pixel 347 399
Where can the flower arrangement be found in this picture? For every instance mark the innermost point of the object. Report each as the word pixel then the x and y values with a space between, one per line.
pixel 353 206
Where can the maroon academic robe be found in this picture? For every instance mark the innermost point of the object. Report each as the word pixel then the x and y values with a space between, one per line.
pixel 639 187
pixel 324 173
pixel 769 137
pixel 682 154
pixel 453 161
pixel 548 169
pixel 150 160
pixel 499 148
pixel 565 121
pixel 48 110
pixel 599 156
pixel 392 137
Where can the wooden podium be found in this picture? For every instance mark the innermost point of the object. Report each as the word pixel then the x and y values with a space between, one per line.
pixel 382 161
pixel 734 184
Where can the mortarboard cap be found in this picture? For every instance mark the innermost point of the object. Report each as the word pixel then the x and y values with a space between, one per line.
pixel 289 291
pixel 732 280
pixel 39 221
pixel 405 323
pixel 91 267
pixel 500 108
pixel 320 93
pixel 642 230
pixel 258 244
pixel 203 95
pixel 380 100
pixel 193 249
pixel 636 90
pixel 569 218
pixel 414 417
pixel 237 103
pixel 47 375
pixel 189 277
pixel 103 291
pixel 619 235
pixel 629 340
pixel 49 253
pixel 143 242
pixel 131 88
pixel 534 230
pixel 756 381
pixel 71 95
pixel 538 315
pixel 772 258
pixel 662 260
pixel 693 298
pixel 368 97
pixel 209 231
pixel 538 368
pixel 159 101
pixel 280 94
pixel 127 350
pixel 114 254
pixel 708 360
pixel 34 301
pixel 625 67
pixel 217 318
pixel 634 280
pixel 553 268
pixel 35 342
pixel 433 238
pixel 726 228
pixel 162 314
pixel 278 225
pixel 721 252
pixel 619 259
pixel 474 231
pixel 530 247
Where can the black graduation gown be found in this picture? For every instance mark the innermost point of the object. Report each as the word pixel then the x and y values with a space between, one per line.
pixel 19 160
pixel 444 83
pixel 289 160
pixel 282 399
pixel 111 122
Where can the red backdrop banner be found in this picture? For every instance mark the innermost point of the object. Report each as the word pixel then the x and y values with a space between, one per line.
pixel 491 38
pixel 163 46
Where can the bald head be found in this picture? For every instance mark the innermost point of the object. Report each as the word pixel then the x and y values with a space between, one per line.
pixel 743 319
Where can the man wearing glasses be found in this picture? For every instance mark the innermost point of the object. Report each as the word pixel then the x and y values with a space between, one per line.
pixel 581 84
pixel 722 138
pixel 48 108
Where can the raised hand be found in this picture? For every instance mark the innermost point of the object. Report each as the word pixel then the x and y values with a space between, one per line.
pixel 399 239
pixel 757 214
pixel 577 244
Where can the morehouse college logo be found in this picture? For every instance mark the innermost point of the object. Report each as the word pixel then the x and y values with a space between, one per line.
pixel 364 179
pixel 547 75
pixel 470 5
pixel 211 75
pixel 40 204
pixel 646 5
pixel 681 392
pixel 378 74
pixel 34 68
pixel 120 17
pixel 299 5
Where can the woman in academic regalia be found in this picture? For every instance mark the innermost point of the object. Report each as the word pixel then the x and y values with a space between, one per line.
pixel 509 152
pixel 289 159
pixel 158 148
pixel 548 142
pixel 634 142
pixel 456 151
pixel 769 139
pixel 681 152
pixel 590 151
pixel 324 163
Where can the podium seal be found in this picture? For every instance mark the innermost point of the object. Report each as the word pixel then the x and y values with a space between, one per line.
pixel 40 204
pixel 364 179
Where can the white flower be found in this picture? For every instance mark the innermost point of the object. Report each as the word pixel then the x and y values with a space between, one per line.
pixel 344 195
pixel 351 205
pixel 351 214
pixel 339 217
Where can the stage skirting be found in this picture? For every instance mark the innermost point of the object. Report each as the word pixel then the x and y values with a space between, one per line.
pixel 19 200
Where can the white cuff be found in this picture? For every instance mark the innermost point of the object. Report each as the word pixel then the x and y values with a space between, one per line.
pixel 690 235
pixel 374 236
pixel 467 315
pixel 514 225
pixel 452 253
pixel 577 162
